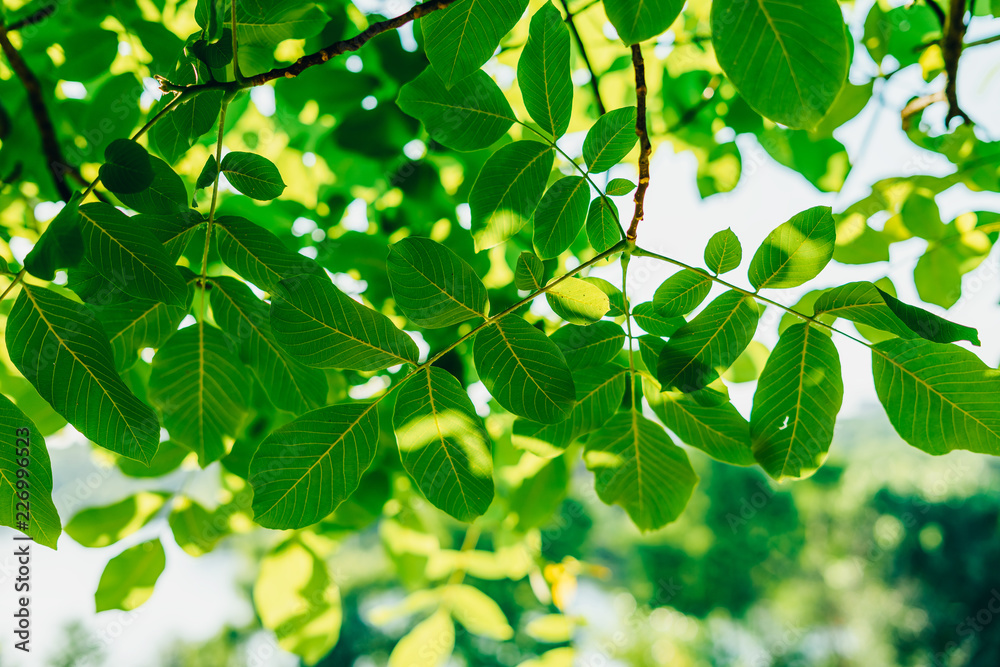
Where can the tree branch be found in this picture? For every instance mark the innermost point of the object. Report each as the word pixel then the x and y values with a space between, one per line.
pixel 57 164
pixel 951 47
pixel 594 80
pixel 644 146
pixel 32 19
pixel 317 58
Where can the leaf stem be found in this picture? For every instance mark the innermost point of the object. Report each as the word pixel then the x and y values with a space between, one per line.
pixel 594 80
pixel 628 327
pixel 236 56
pixel 13 284
pixel 644 146
pixel 215 198
pixel 469 543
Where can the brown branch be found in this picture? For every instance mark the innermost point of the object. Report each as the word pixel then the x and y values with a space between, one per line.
pixel 595 83
pixel 57 164
pixel 317 58
pixel 951 47
pixel 644 146
pixel 918 104
pixel 32 19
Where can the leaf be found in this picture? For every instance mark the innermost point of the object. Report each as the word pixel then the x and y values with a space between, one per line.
pixel 610 139
pixel 477 612
pixel 173 231
pixel 126 167
pixel 296 597
pixel 795 251
pixel 507 191
pixel 202 389
pixel 129 256
pixel 258 255
pixel 938 397
pixel 796 403
pixel 551 628
pixel 681 293
pixel 322 327
pixel 306 468
pixel 651 321
pixel 543 71
pixel 472 114
pixel 524 370
pixel 208 173
pixel 253 175
pixel 195 529
pixel 560 215
pixel 189 120
pixel 637 466
pixel 290 385
pixel 429 644
pixel 22 440
pixel 164 196
pixel 267 23
pixel 588 346
pixel 620 186
pixel 443 444
pixel 100 526
pixel 541 492
pixel 789 60
pixel 461 37
pixel 168 458
pixel 577 301
pixel 60 245
pixel 602 225
pixel 136 324
pixel 432 285
pixel 60 347
pixel 713 339
pixel 723 252
pixel 639 20
pixel 718 430
pixel 128 579
pixel 864 303
pixel 529 273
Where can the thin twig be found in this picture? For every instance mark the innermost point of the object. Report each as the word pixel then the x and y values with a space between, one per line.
pixel 13 284
pixel 595 83
pixel 644 146
pixel 951 48
pixel 57 165
pixel 317 58
pixel 236 55
pixel 32 19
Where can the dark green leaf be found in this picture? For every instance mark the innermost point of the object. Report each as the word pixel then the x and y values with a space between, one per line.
pixel 639 20
pixel 560 215
pixel 208 173
pixel 253 175
pixel 258 255
pixel 60 246
pixel 587 346
pixel 164 196
pixel 602 225
pixel 610 139
pixel 653 322
pixel 138 323
pixel 432 285
pixel 529 274
pixel 681 293
pixel 126 168
pixel 543 71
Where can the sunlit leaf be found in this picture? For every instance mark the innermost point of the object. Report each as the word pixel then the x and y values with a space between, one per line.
pixel 577 302
pixel 252 174
pixel 795 251
pixel 257 254
pixel 129 578
pixel 543 71
pixel 529 274
pixel 681 293
pixel 432 285
pixel 101 526
pixel 587 346
pixel 723 252
pixel 610 139
pixel 639 20
pixel 560 216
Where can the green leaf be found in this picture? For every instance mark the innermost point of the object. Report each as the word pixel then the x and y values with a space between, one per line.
pixel 543 71
pixel 461 37
pixel 651 321
pixel 296 597
pixel 864 303
pixel 938 397
pixel 723 252
pixel 529 273
pixel 712 340
pixel 429 644
pixel 60 245
pixel 796 403
pixel 507 191
pixel 269 22
pixel 681 293
pixel 795 251
pixel 129 577
pixel 195 529
pixel 577 302
pixel 202 389
pixel 477 612
pixel 173 231
pixel 524 370
pixel 253 175
pixel 639 20
pixel 164 196
pixel 101 526
pixel 560 216
pixel 258 255
pixel 306 468
pixel 750 363
pixel 718 430
pixel 588 346
pixel 472 114
pixel 322 327
pixel 22 440
pixel 290 385
pixel 602 225
pixel 541 492
pixel 789 60
pixel 443 444
pixel 620 186
pixel 432 285
pixel 129 256
pixel 637 466
pixel 206 177
pixel 610 139
pixel 190 119
pixel 126 167
pixel 168 458
pixel 60 347
pixel 138 323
